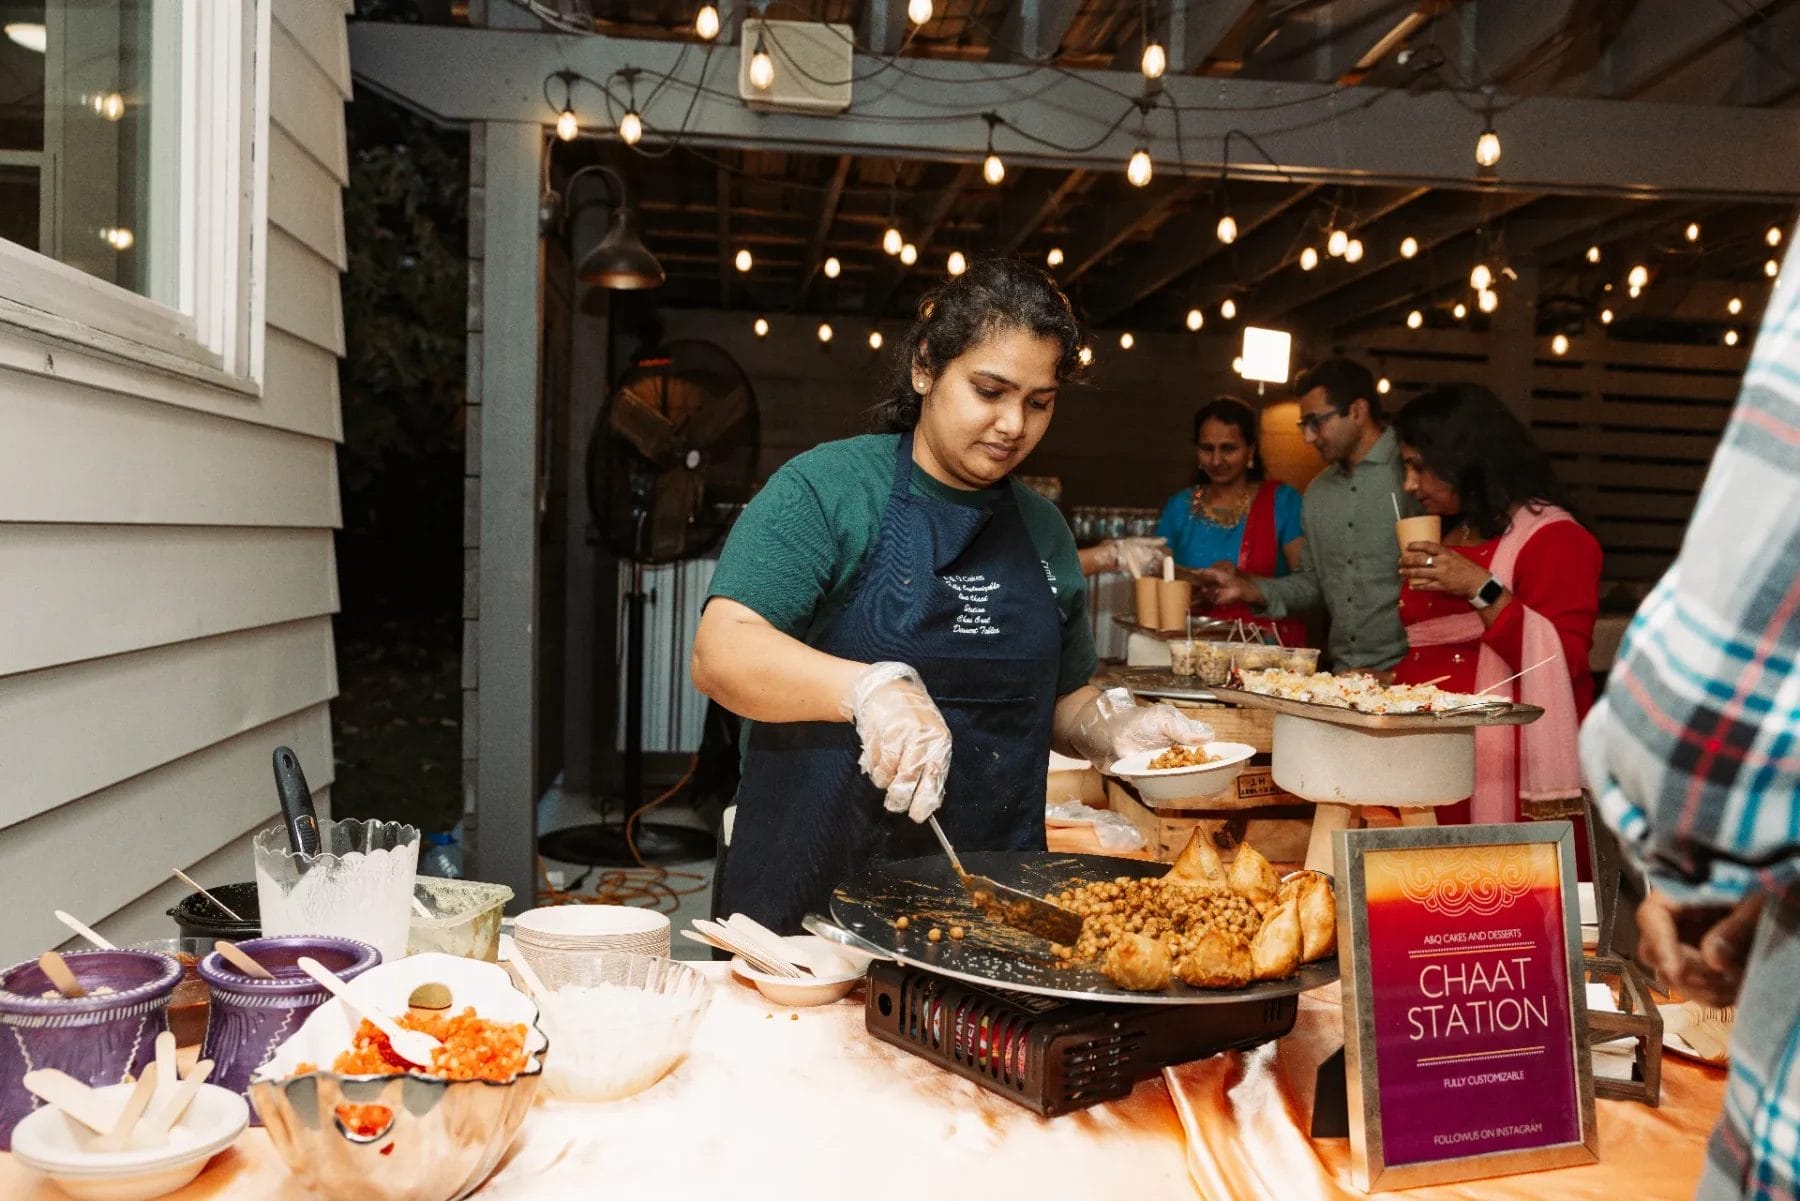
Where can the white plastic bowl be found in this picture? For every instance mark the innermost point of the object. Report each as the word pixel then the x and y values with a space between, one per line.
pixel 1183 783
pixel 51 1142
pixel 836 972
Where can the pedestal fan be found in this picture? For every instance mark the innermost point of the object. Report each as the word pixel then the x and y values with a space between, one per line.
pixel 674 448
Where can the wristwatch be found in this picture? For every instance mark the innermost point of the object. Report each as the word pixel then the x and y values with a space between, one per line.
pixel 1488 593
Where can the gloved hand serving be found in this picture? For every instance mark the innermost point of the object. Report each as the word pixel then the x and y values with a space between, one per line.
pixel 1113 725
pixel 906 745
pixel 1139 556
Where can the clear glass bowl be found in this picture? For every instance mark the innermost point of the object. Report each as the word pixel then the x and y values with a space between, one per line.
pixel 465 918
pixel 618 1021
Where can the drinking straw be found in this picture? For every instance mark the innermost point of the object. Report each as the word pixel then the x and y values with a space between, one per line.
pixel 1396 499
pixel 1514 676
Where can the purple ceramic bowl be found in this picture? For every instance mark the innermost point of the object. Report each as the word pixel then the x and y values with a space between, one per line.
pixel 99 1040
pixel 251 1017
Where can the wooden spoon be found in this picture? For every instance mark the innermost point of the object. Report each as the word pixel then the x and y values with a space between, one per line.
pixel 414 1046
pixel 188 880
pixel 155 1128
pixel 139 1100
pixel 240 959
pixel 79 1101
pixel 81 929
pixel 57 968
pixel 168 1076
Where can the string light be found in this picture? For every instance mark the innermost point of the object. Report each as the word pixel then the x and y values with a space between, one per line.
pixel 1487 147
pixel 1481 279
pixel 1487 300
pixel 631 127
pixel 1460 311
pixel 1055 257
pixel 761 327
pixel 1138 170
pixel 1384 385
pixel 1639 276
pixel 833 267
pixel 1606 316
pixel 1237 365
pixel 891 240
pixel 824 331
pixel 743 260
pixel 1409 246
pixel 1773 236
pixel 909 254
pixel 1559 345
pixel 1126 341
pixel 706 22
pixel 1353 253
pixel 567 127
pixel 956 264
pixel 1415 319
pixel 992 169
pixel 1195 319
pixel 1593 254
pixel 1336 243
pixel 1634 291
pixel 1771 268
pixel 762 67
pixel 1309 258
pixel 1228 230
pixel 874 339
pixel 1734 306
pixel 1085 356
pixel 918 11
pixel 1731 337
pixel 1228 309
pixel 1693 231
pixel 1155 61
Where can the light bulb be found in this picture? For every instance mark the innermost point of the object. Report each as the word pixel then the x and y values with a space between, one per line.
pixel 1228 308
pixel 1606 316
pixel 1195 319
pixel 1415 319
pixel 1771 268
pixel 1085 355
pixel 1487 300
pixel 1126 341
pixel 1353 253
pixel 874 339
pixel 567 127
pixel 1559 344
pixel 833 268
pixel 1237 365
pixel 1487 147
pixel 1055 257
pixel 1228 230
pixel 1460 311
pixel 1409 246
pixel 1593 254
pixel 918 11
pixel 1734 306
pixel 1634 291
pixel 1481 279
pixel 1155 61
pixel 824 331
pixel 110 106
pixel 1384 385
pixel 1692 231
pixel 743 260
pixel 118 237
pixel 1309 258
pixel 909 254
pixel 1773 236
pixel 761 327
pixel 956 264
pixel 1138 169
pixel 1638 276
pixel 992 169
pixel 891 240
pixel 1336 243
pixel 1731 337
pixel 762 67
pixel 706 22
pixel 631 127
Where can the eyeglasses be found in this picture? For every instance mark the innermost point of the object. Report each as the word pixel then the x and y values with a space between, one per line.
pixel 1314 422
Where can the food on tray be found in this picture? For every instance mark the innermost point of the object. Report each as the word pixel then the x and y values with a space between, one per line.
pixel 1138 962
pixel 1182 756
pixel 1198 865
pixel 474 1048
pixel 1218 960
pixel 1364 694
pixel 1311 893
pixel 1275 951
pixel 1252 878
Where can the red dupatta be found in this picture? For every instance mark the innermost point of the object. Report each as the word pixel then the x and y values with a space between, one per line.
pixel 1259 554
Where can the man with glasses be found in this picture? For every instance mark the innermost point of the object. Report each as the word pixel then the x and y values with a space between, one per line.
pixel 1348 517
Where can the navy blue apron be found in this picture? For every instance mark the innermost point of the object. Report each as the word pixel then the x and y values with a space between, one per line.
pixel 959 593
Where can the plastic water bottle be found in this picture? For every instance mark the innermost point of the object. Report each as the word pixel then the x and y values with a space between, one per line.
pixel 442 857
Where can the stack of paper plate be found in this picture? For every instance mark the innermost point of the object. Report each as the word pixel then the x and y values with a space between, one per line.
pixel 593 928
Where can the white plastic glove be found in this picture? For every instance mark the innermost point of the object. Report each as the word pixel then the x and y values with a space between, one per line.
pixel 1112 726
pixel 906 745
pixel 1139 556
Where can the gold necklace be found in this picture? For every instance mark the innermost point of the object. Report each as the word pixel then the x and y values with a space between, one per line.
pixel 1224 516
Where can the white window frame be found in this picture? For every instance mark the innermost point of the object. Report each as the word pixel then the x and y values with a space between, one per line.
pixel 214 331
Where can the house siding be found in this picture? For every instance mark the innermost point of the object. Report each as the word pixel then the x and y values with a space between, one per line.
pixel 166 566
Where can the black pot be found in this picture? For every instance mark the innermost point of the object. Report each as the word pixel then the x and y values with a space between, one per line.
pixel 200 918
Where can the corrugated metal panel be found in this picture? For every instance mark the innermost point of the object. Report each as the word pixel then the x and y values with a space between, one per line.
pixel 674 711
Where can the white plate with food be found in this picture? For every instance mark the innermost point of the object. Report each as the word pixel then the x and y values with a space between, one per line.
pixel 1177 773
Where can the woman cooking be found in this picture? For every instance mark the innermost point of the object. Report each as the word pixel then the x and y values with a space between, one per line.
pixel 904 626
pixel 1232 514
pixel 1512 587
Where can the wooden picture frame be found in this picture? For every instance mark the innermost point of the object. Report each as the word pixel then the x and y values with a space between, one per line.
pixel 1465 1014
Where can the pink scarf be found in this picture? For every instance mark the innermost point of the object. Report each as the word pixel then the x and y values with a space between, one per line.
pixel 1547 766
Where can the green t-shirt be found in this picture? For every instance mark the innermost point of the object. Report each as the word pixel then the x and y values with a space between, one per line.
pixel 797 549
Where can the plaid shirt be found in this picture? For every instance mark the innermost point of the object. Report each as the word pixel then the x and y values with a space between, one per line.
pixel 1695 751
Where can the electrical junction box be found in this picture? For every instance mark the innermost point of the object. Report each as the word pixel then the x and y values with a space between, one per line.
pixel 813 65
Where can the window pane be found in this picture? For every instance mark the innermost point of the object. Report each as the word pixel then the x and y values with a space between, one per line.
pixel 89 137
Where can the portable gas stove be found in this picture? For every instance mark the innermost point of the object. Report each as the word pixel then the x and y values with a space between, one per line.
pixel 1050 1054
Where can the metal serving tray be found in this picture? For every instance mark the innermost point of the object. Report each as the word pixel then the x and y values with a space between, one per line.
pixel 1498 713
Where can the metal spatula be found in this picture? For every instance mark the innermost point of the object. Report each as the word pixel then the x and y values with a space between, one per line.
pixel 1011 906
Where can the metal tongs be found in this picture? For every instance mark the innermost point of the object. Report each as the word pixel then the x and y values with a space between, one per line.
pixel 1011 906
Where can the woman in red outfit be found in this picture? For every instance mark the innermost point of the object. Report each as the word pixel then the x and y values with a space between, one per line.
pixel 1514 582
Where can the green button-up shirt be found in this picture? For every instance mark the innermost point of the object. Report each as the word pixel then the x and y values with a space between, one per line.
pixel 1351 564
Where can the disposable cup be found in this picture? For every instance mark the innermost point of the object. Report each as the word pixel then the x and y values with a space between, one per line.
pixel 1428 528
pixel 1172 600
pixel 1145 587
